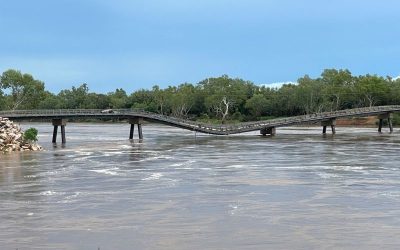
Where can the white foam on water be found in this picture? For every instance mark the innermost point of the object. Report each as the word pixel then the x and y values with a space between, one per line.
pixel 156 158
pixel 237 166
pixel 85 153
pixel 325 167
pixel 183 165
pixel 301 167
pixel 30 176
pixel 113 153
pixel 233 208
pixel 154 176
pixel 177 164
pixel 392 194
pixel 107 171
pixel 70 198
pixel 327 175
pixel 51 193
pixel 348 168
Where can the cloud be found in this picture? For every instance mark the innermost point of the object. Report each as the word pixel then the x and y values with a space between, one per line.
pixel 278 84
pixel 395 78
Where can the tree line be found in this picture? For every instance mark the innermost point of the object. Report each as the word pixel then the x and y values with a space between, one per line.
pixel 215 99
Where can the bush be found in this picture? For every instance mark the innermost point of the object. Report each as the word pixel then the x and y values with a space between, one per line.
pixel 31 134
pixel 237 116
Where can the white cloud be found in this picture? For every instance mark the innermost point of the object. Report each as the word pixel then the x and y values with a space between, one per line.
pixel 278 84
pixel 397 77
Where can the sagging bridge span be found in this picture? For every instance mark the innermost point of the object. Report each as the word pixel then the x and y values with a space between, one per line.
pixel 60 116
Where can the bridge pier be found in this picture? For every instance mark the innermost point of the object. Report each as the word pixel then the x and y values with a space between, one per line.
pixel 56 123
pixel 331 123
pixel 131 131
pixel 389 117
pixel 138 122
pixel 268 131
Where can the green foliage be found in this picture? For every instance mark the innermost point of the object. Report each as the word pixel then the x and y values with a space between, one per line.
pixel 2 100
pixel 237 117
pixel 258 105
pixel 25 91
pixel 30 134
pixel 223 95
pixel 118 99
pixel 372 90
pixel 76 98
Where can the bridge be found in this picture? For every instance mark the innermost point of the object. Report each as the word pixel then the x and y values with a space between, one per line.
pixel 59 117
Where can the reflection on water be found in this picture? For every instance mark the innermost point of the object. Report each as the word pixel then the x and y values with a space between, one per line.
pixel 179 190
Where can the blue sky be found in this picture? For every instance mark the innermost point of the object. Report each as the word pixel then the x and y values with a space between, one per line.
pixel 136 44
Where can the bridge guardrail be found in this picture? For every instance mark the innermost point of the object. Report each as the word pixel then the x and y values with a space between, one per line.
pixel 204 127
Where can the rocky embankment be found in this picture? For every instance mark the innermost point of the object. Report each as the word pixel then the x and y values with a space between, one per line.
pixel 12 139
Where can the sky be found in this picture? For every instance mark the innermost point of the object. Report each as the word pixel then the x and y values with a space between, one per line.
pixel 133 44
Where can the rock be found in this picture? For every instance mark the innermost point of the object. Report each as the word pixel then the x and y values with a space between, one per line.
pixel 11 138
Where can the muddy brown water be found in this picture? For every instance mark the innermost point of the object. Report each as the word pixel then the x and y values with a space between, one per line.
pixel 181 190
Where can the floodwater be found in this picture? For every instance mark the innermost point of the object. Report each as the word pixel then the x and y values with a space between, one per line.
pixel 179 190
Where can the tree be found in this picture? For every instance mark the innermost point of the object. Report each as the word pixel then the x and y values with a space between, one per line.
pixel 257 105
pixel 223 94
pixel 2 100
pixel 76 98
pixel 183 99
pixel 24 90
pixel 394 93
pixel 372 90
pixel 285 101
pixel 97 101
pixel 118 99
pixel 50 101
pixel 338 87
pixel 309 95
pixel 143 99
pixel 161 98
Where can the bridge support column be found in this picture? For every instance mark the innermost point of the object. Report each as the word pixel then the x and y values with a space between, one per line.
pixel 333 128
pixel 389 117
pixel 56 123
pixel 55 134
pixel 140 131
pixel 330 122
pixel 131 132
pixel 390 124
pixel 268 131
pixel 380 125
pixel 138 122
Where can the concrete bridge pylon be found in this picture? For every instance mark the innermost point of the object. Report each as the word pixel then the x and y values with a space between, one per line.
pixel 56 123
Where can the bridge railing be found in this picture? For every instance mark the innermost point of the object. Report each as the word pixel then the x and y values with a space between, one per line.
pixel 200 126
pixel 316 117
pixel 69 111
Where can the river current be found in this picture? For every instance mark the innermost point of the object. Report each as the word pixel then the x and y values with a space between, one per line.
pixel 181 190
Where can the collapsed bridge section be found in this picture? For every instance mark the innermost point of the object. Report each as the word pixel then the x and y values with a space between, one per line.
pixel 136 117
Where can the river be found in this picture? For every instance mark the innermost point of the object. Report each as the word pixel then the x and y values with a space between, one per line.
pixel 181 190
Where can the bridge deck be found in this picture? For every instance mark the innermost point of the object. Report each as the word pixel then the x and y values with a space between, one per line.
pixel 192 125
